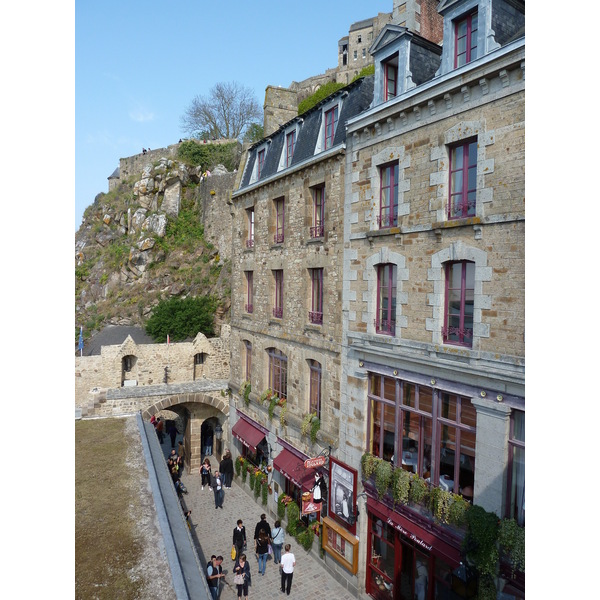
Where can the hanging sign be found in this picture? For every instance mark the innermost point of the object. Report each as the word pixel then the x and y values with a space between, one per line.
pixel 314 463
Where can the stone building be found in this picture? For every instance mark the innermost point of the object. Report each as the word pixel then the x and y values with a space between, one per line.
pixel 433 300
pixel 287 289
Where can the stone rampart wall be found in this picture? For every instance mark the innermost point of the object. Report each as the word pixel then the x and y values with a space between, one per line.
pixel 148 365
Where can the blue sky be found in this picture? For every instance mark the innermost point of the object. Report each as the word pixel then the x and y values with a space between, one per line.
pixel 139 64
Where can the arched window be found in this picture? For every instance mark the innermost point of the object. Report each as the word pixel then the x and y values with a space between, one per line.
pixel 315 387
pixel 277 372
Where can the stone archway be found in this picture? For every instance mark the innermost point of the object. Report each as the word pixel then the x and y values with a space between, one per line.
pixel 198 407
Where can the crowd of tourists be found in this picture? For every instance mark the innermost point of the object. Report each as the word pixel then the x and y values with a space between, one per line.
pixel 268 541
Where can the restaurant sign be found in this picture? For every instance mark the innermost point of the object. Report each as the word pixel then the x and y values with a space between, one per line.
pixel 308 506
pixel 314 463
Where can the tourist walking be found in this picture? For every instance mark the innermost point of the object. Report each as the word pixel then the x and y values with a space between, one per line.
pixel 239 538
pixel 173 434
pixel 262 539
pixel 278 536
pixel 242 578
pixel 208 441
pixel 160 430
pixel 226 468
pixel 217 486
pixel 288 562
pixel 205 472
pixel 214 573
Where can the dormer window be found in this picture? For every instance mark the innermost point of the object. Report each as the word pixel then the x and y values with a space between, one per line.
pixel 260 161
pixel 331 119
pixel 465 40
pixel 290 144
pixel 390 79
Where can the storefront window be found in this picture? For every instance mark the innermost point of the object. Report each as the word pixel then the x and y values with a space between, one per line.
pixel 383 559
pixel 516 468
pixel 427 418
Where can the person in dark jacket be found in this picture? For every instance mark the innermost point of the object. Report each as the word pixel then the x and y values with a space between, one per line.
pixel 239 538
pixel 242 567
pixel 226 468
pixel 262 539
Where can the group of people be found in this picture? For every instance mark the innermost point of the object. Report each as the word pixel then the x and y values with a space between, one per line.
pixel 144 150
pixel 175 464
pixel 221 480
pixel 267 542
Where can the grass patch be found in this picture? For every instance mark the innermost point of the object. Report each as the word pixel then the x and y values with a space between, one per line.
pixel 105 545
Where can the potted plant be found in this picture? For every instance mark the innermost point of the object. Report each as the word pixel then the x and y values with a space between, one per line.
pixel 383 477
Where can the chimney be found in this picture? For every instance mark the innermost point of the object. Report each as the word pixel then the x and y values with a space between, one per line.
pixel 281 105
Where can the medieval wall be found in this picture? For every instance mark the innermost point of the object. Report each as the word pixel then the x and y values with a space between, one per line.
pixel 149 362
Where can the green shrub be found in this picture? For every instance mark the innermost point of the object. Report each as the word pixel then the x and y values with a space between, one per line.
pixel 182 318
pixel 512 541
pixel 365 72
pixel 368 464
pixel 400 485
pixel 306 538
pixel 325 90
pixel 209 155
pixel 419 490
pixel 383 477
pixel 280 506
pixel 264 492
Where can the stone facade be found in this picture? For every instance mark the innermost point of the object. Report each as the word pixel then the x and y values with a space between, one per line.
pixel 146 367
pixel 281 105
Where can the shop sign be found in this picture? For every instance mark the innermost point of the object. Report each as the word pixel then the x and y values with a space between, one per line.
pixel 409 535
pixel 314 463
pixel 308 506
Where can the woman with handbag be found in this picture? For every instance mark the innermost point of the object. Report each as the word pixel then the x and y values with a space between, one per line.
pixel 242 578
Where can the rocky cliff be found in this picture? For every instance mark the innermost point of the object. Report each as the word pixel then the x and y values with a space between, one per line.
pixel 165 231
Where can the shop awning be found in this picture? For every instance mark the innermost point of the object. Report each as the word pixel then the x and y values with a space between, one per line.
pixel 292 468
pixel 249 435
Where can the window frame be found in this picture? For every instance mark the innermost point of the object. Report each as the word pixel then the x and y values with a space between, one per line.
pixel 278 362
pixel 388 195
pixel 468 208
pixel 290 147
pixel 469 47
pixel 279 235
pixel 386 326
pixel 515 445
pixel 390 66
pixel 314 394
pixel 278 296
pixel 431 425
pixel 248 359
pixel 331 121
pixel 465 335
pixel 250 227
pixel 249 291
pixel 260 161
pixel 315 315
pixel 318 217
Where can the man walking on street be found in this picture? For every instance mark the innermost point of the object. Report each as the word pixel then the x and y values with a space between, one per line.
pixel 288 562
pixel 214 572
pixel 218 490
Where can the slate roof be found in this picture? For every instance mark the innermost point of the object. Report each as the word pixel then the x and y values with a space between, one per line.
pixel 115 173
pixel 114 335
pixel 358 98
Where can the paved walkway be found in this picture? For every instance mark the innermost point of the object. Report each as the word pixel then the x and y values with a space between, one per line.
pixel 214 528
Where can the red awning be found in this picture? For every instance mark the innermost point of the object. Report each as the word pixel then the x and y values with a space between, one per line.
pixel 249 435
pixel 292 468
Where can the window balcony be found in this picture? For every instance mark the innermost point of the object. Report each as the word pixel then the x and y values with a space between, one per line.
pixel 249 308
pixel 385 327
pixel 250 243
pixel 278 238
pixel 315 317
pixel 278 312
pixel 317 231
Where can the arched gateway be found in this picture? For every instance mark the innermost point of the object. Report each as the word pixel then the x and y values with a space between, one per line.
pixel 196 409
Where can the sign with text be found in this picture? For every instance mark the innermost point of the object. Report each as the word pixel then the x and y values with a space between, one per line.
pixel 308 506
pixel 314 463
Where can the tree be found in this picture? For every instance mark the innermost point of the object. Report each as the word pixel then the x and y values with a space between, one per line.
pixel 254 133
pixel 226 112
pixel 182 318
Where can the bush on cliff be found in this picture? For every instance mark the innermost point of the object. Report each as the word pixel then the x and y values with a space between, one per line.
pixel 209 155
pixel 182 318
